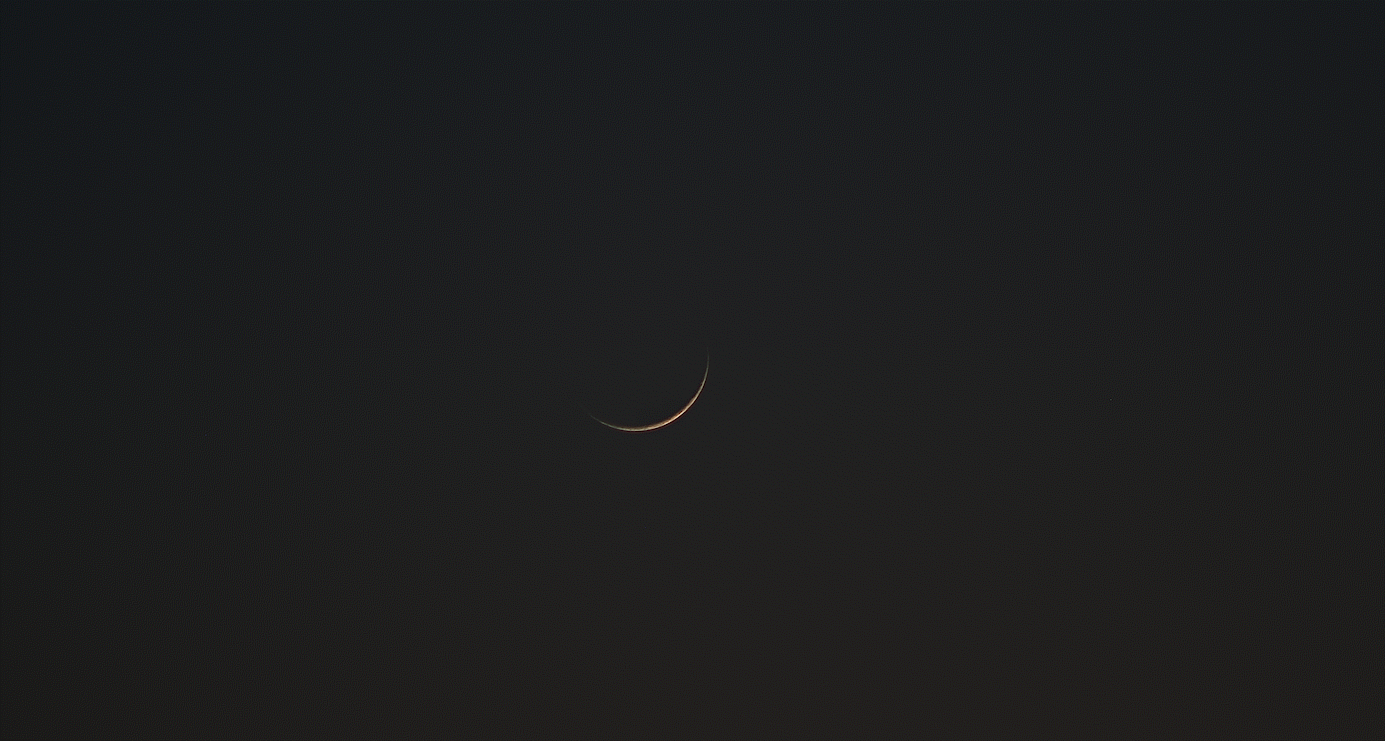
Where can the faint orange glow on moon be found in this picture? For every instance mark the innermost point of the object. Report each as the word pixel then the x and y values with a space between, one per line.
pixel 670 420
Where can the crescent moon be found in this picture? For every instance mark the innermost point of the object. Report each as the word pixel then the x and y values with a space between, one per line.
pixel 669 421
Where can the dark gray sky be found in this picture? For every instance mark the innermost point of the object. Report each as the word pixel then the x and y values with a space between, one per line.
pixel 1044 394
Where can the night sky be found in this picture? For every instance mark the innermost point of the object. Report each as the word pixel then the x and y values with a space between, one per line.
pixel 1044 351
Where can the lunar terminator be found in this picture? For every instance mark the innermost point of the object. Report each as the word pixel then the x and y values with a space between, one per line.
pixel 670 420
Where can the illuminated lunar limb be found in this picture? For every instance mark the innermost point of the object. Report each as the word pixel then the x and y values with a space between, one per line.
pixel 669 421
